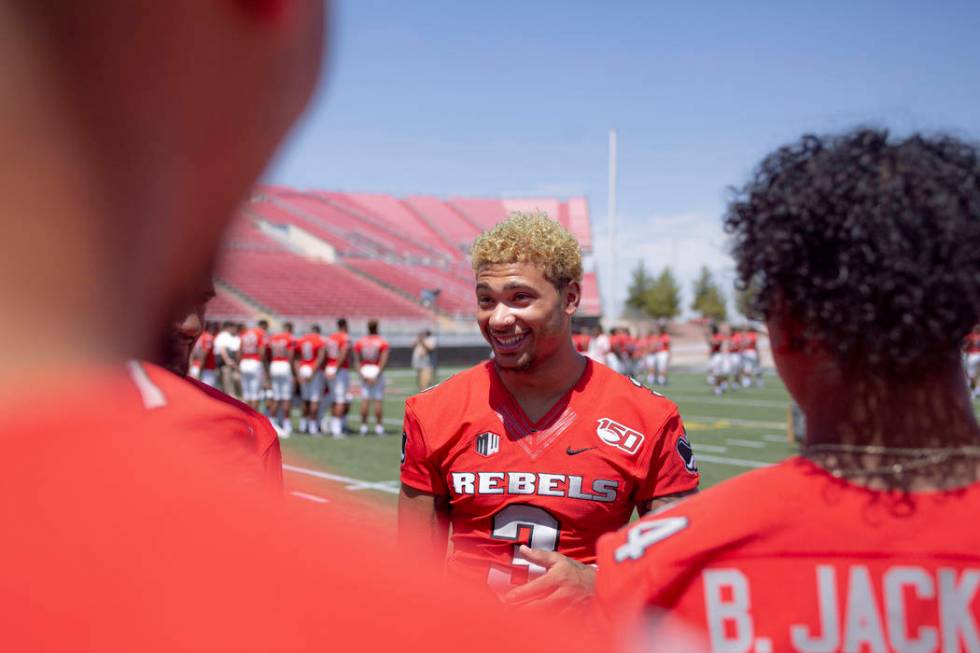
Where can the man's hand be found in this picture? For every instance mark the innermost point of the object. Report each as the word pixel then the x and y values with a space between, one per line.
pixel 567 584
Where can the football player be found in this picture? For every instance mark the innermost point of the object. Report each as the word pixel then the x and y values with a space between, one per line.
pixel 281 348
pixel 750 357
pixel 874 527
pixel 539 446
pixel 253 363
pixel 338 377
pixel 972 364
pixel 371 358
pixel 309 362
pixel 203 361
pixel 718 368
pixel 661 354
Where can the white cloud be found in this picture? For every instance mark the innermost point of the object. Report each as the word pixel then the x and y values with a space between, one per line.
pixel 684 242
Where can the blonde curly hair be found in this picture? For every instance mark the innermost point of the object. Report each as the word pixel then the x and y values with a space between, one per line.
pixel 531 238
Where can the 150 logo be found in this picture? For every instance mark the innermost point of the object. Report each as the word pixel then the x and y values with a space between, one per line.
pixel 618 435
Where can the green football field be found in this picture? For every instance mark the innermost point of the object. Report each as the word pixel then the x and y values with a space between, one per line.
pixel 732 434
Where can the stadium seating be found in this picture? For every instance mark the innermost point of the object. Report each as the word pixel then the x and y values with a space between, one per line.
pixel 456 296
pixel 226 306
pixel 383 252
pixel 446 220
pixel 289 285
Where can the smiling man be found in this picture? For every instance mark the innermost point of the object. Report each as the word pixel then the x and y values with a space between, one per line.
pixel 540 446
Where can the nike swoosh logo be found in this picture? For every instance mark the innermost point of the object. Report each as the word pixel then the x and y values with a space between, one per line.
pixel 575 452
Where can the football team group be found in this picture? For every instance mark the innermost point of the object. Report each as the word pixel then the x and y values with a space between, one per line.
pixel 133 521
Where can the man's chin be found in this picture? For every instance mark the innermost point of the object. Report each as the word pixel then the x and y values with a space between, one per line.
pixel 515 363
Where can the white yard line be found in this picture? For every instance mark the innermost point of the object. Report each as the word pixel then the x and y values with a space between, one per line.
pixel 775 438
pixel 351 483
pixel 735 462
pixel 752 444
pixel 310 497
pixel 710 448
pixel 735 422
pixel 729 400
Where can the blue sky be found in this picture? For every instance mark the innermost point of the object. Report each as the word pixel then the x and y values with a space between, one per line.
pixel 511 98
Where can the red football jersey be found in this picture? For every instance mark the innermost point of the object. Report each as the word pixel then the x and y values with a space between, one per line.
pixel 557 484
pixel 281 346
pixel 663 342
pixel 253 343
pixel 716 343
pixel 308 348
pixel 750 341
pixel 203 352
pixel 369 349
pixel 973 343
pixel 790 558
pixel 735 343
pixel 335 343
pixel 221 429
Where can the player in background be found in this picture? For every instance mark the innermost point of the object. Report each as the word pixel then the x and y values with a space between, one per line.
pixel 309 361
pixel 282 349
pixel 971 361
pixel 661 355
pixel 371 358
pixel 733 348
pixel 581 340
pixel 874 526
pixel 253 363
pixel 424 359
pixel 338 378
pixel 227 350
pixel 751 373
pixel 203 361
pixel 539 446
pixel 717 360
pixel 599 346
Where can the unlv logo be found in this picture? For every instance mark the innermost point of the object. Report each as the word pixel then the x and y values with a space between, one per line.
pixel 619 436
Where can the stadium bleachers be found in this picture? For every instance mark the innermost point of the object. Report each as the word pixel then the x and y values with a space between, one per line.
pixel 328 253
pixel 456 296
pixel 292 286
pixel 226 306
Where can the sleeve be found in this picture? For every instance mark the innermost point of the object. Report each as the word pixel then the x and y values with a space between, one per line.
pixel 671 466
pixel 419 470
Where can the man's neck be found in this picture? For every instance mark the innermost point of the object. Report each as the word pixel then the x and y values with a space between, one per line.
pixel 537 389
pixel 870 421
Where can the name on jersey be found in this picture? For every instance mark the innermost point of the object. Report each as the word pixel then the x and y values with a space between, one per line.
pixel 533 483
pixel 905 608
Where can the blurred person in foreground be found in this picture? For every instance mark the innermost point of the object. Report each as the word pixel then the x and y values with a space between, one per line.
pixel 531 456
pixel 424 359
pixel 138 127
pixel 863 249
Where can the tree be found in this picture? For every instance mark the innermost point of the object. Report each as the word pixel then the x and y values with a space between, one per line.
pixel 636 295
pixel 663 300
pixel 709 301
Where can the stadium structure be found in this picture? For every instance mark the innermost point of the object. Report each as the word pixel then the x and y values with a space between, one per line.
pixel 314 256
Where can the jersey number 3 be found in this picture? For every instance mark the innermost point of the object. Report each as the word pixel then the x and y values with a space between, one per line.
pixel 511 523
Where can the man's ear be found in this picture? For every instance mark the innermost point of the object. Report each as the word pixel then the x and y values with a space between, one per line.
pixel 571 296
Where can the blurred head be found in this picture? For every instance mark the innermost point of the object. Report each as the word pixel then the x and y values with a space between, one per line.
pixel 528 274
pixel 372 327
pixel 263 324
pixel 342 324
pixel 315 328
pixel 183 332
pixel 287 327
pixel 208 90
pixel 213 328
pixel 862 250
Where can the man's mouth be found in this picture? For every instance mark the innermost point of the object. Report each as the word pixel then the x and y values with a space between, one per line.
pixel 508 344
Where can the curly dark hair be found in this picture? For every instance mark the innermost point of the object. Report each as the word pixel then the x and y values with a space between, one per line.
pixel 873 243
